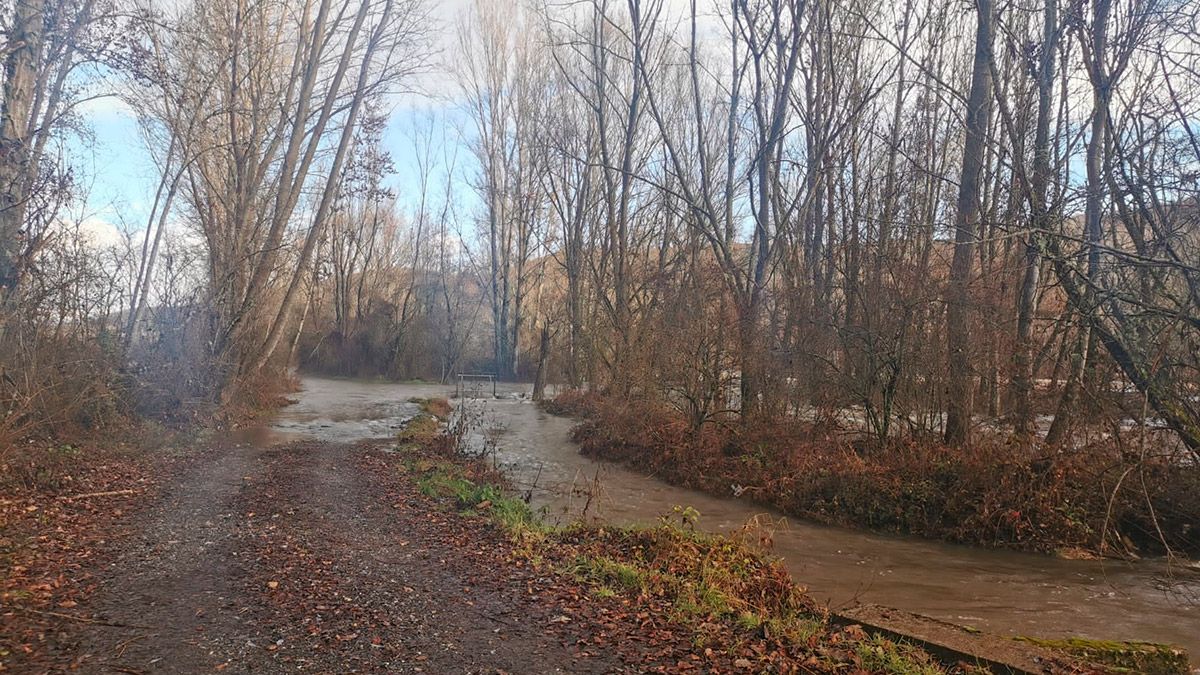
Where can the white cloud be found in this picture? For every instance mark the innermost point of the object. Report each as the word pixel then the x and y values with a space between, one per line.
pixel 99 233
pixel 105 107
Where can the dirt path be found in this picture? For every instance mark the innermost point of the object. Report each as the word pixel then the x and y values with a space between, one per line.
pixel 316 557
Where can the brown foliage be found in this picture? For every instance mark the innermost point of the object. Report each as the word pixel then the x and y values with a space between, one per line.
pixel 438 407
pixel 60 509
pixel 991 494
pixel 60 388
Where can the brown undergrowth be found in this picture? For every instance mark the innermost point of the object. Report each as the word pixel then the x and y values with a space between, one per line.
pixel 1096 499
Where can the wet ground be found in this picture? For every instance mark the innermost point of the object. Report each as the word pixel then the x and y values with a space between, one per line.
pixel 314 556
pixel 998 591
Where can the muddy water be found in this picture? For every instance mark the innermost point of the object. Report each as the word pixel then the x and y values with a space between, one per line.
pixel 1001 592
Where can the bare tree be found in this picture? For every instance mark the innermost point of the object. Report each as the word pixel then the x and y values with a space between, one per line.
pixel 959 396
pixel 278 123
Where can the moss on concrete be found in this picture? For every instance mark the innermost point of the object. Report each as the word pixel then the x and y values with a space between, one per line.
pixel 1133 657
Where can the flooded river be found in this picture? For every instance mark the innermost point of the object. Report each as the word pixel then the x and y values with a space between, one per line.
pixel 998 591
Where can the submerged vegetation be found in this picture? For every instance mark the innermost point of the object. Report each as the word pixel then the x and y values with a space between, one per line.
pixel 425 427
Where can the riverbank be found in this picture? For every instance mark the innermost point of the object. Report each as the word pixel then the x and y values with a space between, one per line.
pixel 998 591
pixel 321 556
pixel 736 604
pixel 1087 502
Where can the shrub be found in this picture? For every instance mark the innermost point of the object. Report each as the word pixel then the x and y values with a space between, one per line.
pixel 990 494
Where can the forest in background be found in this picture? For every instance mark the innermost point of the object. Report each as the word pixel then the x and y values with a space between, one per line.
pixel 933 234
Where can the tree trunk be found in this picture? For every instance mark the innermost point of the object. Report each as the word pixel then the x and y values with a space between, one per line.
pixel 1093 214
pixel 979 109
pixel 539 380
pixel 24 41
pixel 1023 373
pixel 327 196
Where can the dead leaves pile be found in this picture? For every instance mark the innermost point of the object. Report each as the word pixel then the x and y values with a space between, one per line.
pixel 51 543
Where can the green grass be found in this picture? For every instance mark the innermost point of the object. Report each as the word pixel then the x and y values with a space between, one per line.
pixel 447 480
pixel 701 577
pixel 418 432
pixel 880 655
pixel 749 621
pixel 1131 657
pixel 607 573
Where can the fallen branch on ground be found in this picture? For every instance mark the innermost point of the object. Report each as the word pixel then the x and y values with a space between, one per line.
pixel 89 495
pixel 83 619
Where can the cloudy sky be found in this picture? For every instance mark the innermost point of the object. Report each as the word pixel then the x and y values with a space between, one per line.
pixel 120 178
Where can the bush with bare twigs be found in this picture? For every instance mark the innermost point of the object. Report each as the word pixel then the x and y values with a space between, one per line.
pixel 995 494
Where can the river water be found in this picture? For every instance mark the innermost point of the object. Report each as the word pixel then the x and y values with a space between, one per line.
pixel 998 591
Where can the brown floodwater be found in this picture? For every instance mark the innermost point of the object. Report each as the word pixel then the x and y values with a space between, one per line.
pixel 999 591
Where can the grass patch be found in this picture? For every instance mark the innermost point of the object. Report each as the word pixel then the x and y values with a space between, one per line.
pixel 437 406
pixel 419 432
pixel 699 576
pixel 1128 657
pixel 445 479
pixel 749 621
pixel 608 574
pixel 880 655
